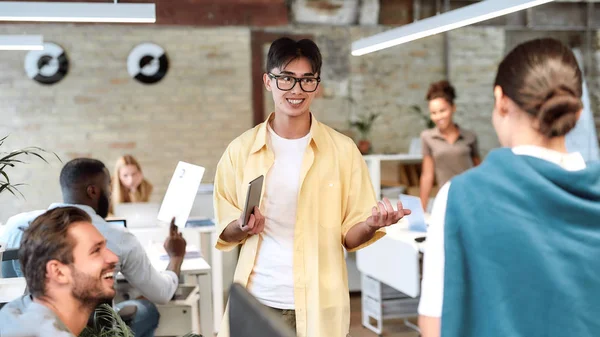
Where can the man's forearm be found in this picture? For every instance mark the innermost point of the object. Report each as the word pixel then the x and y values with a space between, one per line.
pixel 233 233
pixel 175 265
pixel 358 235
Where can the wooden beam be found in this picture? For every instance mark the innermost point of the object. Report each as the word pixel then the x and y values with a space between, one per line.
pixel 257 13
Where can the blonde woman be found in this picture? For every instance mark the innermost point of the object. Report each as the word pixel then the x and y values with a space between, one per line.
pixel 128 183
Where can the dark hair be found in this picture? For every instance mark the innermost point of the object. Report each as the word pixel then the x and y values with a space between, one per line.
pixel 47 239
pixel 543 78
pixel 79 172
pixel 285 50
pixel 442 89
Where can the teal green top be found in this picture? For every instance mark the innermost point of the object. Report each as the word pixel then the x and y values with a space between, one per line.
pixel 522 250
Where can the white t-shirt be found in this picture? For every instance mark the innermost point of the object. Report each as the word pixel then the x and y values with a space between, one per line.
pixel 432 286
pixel 272 281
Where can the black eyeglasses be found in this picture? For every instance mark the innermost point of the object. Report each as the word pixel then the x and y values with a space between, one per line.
pixel 287 82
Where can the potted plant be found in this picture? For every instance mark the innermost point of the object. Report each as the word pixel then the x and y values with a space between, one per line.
pixel 108 323
pixel 363 125
pixel 417 109
pixel 13 158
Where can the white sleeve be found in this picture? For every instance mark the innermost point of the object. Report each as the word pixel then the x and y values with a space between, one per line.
pixel 157 286
pixel 432 286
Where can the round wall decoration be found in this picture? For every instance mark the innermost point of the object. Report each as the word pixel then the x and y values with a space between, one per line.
pixel 147 63
pixel 47 66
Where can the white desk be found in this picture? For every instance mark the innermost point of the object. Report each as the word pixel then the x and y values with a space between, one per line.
pixel 11 288
pixel 374 165
pixel 198 270
pixel 391 276
pixel 205 238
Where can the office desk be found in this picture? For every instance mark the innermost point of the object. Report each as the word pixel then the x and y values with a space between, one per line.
pixel 11 288
pixel 197 271
pixel 391 276
pixel 205 237
pixel 193 271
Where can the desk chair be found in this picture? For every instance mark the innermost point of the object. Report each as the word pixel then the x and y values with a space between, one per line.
pixel 7 256
pixel 177 317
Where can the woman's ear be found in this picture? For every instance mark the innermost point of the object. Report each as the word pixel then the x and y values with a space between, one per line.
pixel 500 101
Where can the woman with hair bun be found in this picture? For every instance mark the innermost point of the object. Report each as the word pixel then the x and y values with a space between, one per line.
pixel 448 150
pixel 513 245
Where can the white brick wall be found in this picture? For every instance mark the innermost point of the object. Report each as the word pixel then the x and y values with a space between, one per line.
pixel 205 99
pixel 99 111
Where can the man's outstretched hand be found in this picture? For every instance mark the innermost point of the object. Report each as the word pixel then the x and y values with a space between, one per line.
pixel 384 215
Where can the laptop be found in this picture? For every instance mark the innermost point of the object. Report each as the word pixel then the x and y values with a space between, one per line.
pixel 118 221
pixel 138 214
pixel 249 318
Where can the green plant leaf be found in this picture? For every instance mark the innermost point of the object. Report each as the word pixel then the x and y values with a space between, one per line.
pixel 13 158
pixel 5 176
pixel 112 325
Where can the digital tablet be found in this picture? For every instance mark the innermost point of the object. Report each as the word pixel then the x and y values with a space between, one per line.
pixel 252 198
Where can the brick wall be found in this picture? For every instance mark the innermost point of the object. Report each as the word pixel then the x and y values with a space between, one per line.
pixel 475 53
pixel 205 99
pixel 98 110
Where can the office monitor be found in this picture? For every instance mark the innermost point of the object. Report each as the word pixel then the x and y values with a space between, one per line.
pixel 118 221
pixel 138 215
pixel 249 318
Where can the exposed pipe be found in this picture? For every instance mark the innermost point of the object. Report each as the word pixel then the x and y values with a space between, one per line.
pixel 416 10
pixel 589 61
pixel 447 45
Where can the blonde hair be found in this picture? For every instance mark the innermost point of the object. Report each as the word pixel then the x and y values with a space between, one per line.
pixel 120 194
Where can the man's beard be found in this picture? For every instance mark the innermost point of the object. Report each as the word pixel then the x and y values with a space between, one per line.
pixel 103 206
pixel 90 291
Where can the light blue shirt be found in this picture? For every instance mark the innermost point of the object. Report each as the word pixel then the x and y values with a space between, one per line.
pixel 25 318
pixel 157 286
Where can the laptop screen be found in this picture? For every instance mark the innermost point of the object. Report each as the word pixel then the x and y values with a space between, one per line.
pixel 120 222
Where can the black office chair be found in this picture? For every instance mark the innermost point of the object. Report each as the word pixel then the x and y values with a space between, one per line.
pixel 8 256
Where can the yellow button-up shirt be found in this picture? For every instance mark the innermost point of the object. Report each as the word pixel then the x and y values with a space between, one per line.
pixel 335 193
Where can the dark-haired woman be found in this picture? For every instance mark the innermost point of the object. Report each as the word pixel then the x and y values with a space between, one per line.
pixel 448 150
pixel 513 245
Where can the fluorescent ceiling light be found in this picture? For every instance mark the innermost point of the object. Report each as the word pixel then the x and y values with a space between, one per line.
pixel 77 12
pixel 464 16
pixel 21 42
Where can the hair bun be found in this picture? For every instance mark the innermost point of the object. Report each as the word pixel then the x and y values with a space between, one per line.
pixel 441 89
pixel 558 114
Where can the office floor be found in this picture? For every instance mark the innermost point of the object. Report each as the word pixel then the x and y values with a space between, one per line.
pixel 391 328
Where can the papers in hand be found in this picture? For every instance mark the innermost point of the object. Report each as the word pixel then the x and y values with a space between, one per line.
pixel 416 219
pixel 181 193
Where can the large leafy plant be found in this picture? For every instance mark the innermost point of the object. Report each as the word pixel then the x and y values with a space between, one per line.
pixel 11 159
pixel 108 323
